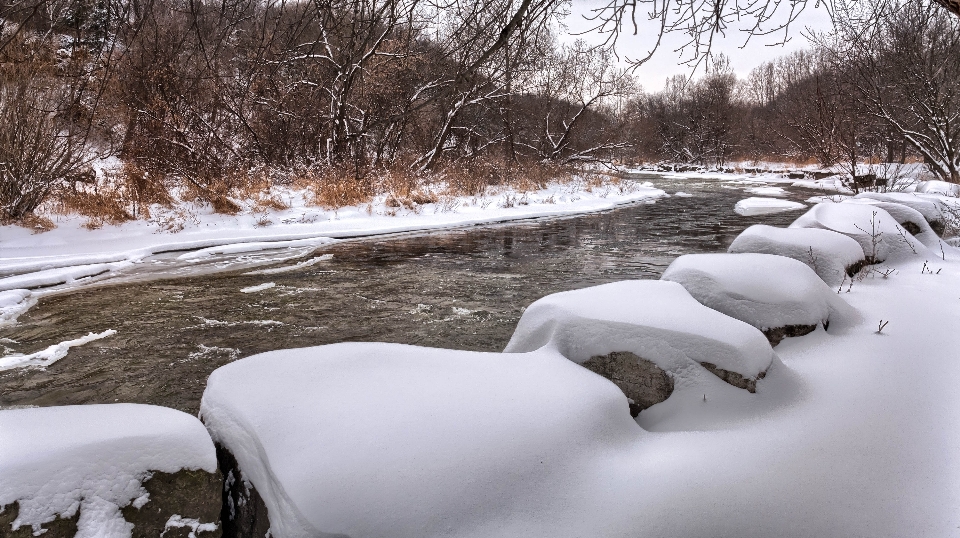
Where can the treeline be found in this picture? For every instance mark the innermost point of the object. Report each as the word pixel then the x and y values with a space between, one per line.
pixel 211 97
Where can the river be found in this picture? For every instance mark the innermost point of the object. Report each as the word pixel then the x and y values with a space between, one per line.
pixel 460 289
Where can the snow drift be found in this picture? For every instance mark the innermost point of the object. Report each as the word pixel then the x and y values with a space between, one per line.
pixel 831 255
pixel 878 233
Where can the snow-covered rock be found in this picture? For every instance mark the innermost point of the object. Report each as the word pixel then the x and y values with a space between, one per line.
pixel 389 440
pixel 104 470
pixel 763 206
pixel 767 191
pixel 909 219
pixel 878 233
pixel 831 255
pixel 939 187
pixel 778 295
pixel 654 320
pixel 930 209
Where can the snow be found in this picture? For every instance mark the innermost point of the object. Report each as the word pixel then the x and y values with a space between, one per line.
pixel 682 194
pixel 904 214
pixel 369 439
pixel 764 290
pixel 930 209
pixel 658 321
pixel 295 267
pixel 767 191
pixel 43 358
pixel 877 232
pixel 939 187
pixel 56 460
pixel 13 303
pixel 850 433
pixel 762 206
pixel 829 184
pixel 177 521
pixel 258 287
pixel 828 253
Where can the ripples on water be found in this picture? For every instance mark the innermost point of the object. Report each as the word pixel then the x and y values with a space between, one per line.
pixel 462 289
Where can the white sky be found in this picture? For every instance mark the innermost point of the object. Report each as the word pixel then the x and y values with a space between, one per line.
pixel 664 63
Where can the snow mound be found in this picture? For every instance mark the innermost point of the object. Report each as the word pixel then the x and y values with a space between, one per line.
pixel 767 191
pixel 764 290
pixel 828 253
pixel 908 218
pixel 930 209
pixel 829 184
pixel 658 321
pixel 387 440
pixel 878 233
pixel 763 206
pixel 56 460
pixel 938 187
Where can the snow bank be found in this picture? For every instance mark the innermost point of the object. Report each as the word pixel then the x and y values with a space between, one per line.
pixel 764 290
pixel 46 357
pixel 388 440
pixel 658 321
pixel 938 187
pixel 762 206
pixel 828 253
pixel 878 233
pixel 908 218
pixel 93 458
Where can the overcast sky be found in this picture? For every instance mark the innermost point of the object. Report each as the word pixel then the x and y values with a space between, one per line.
pixel 664 63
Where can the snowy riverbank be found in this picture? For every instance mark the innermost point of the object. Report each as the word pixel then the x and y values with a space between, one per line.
pixel 848 427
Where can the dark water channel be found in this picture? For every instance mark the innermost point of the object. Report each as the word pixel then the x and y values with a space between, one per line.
pixel 462 289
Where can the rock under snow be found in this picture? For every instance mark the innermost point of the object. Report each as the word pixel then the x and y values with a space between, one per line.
pixel 831 255
pixel 911 220
pixel 878 233
pixel 939 187
pixel 778 295
pixel 389 440
pixel 654 320
pixel 763 206
pixel 930 209
pixel 105 471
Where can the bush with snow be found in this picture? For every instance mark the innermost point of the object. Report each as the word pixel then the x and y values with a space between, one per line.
pixel 773 293
pixel 831 255
pixel 657 321
pixel 388 440
pixel 86 463
pixel 878 233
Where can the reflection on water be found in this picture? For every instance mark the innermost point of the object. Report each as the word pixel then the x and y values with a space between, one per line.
pixel 462 289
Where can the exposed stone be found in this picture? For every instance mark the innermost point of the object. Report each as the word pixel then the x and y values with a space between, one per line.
pixel 243 513
pixel 61 527
pixel 190 494
pixel 733 378
pixel 640 380
pixel 911 227
pixel 777 334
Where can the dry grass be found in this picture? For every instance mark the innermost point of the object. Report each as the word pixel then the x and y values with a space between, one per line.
pixel 34 223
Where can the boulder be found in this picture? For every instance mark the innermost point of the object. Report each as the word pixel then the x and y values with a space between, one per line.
pixel 878 233
pixel 107 470
pixel 778 295
pixel 831 255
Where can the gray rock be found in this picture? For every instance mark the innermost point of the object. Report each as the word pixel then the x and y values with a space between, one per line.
pixel 641 381
pixel 189 494
pixel 733 378
pixel 244 514
pixel 61 527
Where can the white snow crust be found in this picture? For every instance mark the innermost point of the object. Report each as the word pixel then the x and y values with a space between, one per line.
pixel 763 206
pixel 827 252
pixel 13 303
pixel 878 233
pixel 656 320
pixel 928 208
pixel 767 191
pixel 373 440
pixel 828 184
pixel 56 460
pixel 46 357
pixel 764 290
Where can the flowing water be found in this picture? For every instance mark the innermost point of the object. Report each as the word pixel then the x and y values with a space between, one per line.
pixel 460 289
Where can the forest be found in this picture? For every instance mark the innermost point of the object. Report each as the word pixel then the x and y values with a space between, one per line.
pixel 216 99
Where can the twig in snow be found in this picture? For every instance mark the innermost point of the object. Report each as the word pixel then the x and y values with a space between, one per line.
pixel 882 325
pixel 903 237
